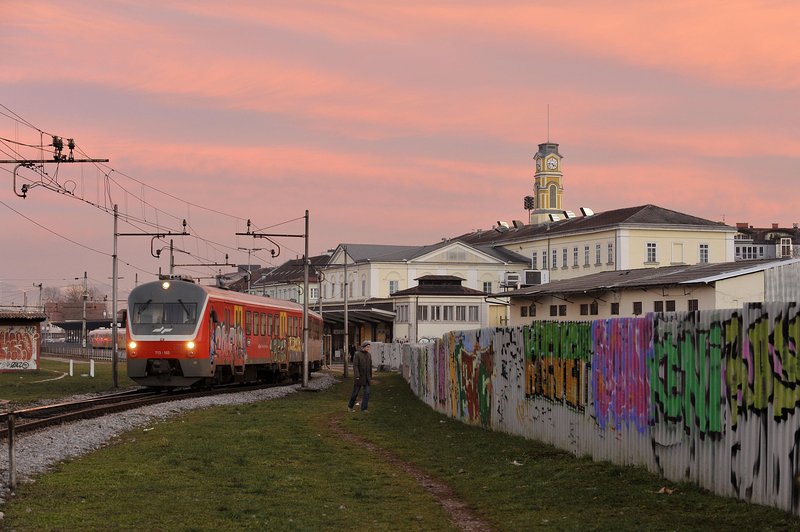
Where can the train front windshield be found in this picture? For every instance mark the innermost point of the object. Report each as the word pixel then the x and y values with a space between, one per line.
pixel 165 313
pixel 165 308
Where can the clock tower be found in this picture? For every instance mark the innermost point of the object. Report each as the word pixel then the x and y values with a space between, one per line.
pixel 547 186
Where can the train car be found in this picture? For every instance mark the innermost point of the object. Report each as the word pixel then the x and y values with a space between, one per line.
pixel 101 338
pixel 183 334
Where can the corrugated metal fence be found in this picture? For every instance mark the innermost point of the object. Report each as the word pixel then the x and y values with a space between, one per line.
pixel 709 397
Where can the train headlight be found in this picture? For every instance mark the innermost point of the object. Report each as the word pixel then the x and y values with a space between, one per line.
pixel 190 345
pixel 131 345
pixel 165 285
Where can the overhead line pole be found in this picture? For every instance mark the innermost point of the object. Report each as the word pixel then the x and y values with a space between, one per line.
pixel 275 253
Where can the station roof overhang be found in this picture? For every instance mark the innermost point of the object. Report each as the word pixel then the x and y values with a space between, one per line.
pixel 358 315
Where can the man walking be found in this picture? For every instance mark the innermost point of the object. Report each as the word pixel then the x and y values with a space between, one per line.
pixel 362 376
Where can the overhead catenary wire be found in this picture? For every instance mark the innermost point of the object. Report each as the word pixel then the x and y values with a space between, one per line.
pixel 113 189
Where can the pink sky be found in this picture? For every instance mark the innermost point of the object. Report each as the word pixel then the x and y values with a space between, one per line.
pixel 391 122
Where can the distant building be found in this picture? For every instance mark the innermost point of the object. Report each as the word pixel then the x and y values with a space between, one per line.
pixel 438 304
pixel 636 292
pixel 647 236
pixel 766 243
pixel 286 281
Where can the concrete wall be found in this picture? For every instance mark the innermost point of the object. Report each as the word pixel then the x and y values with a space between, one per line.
pixel 709 397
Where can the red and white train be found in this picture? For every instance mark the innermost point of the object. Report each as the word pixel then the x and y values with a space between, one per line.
pixel 183 334
pixel 102 338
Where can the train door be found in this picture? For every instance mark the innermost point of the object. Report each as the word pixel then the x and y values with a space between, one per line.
pixel 239 354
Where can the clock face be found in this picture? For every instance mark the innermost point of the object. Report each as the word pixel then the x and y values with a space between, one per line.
pixel 552 164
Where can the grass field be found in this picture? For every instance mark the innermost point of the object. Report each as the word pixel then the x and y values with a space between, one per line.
pixel 280 465
pixel 52 381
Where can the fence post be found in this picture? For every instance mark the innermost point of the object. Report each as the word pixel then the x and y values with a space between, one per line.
pixel 12 470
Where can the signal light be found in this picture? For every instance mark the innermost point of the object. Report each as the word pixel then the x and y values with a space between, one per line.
pixel 528 202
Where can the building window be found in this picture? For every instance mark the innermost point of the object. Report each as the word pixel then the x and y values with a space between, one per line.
pixel 402 313
pixel 597 255
pixel 473 313
pixel 651 252
pixel 594 309
pixel 544 259
pixel 523 312
pixel 585 255
pixel 658 306
pixel 313 292
pixel 532 311
pixel 584 309
pixel 436 313
pixel 447 312
pixel 534 261
pixel 393 286
pixel 487 287
pixel 692 305
pixel 555 259
pixel 637 308
pixel 670 305
pixel 422 313
pixel 363 287
pixel 564 258
pixel 461 313
pixel 786 247
pixel 615 309
pixel 703 253
pixel 562 310
pixel 554 310
pixel 553 197
pixel 575 256
pixel 610 253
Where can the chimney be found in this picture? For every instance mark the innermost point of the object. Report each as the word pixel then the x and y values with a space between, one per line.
pixel 741 225
pixel 774 226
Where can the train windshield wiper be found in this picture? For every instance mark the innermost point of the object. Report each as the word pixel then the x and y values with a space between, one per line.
pixel 185 308
pixel 143 307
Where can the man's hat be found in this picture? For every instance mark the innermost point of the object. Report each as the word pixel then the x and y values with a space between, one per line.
pixel 364 344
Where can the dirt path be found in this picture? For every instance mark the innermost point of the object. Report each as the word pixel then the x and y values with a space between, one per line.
pixel 459 513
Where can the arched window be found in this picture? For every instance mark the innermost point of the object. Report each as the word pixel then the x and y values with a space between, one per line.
pixel 553 197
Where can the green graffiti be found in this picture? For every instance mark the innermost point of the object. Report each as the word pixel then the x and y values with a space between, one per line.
pixel 686 372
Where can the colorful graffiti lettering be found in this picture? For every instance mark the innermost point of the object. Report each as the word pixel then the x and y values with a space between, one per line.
pixel 556 356
pixel 473 358
pixel 767 372
pixel 619 372
pixel 227 344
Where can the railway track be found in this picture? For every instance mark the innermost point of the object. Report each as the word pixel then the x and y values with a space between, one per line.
pixel 28 419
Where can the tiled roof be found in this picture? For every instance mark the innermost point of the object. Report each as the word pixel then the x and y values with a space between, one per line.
pixel 380 253
pixel 21 314
pixel 646 277
pixel 651 215
pixel 763 235
pixel 289 272
pixel 438 290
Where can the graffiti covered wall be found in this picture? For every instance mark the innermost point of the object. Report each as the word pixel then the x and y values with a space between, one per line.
pixel 709 397
pixel 19 347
